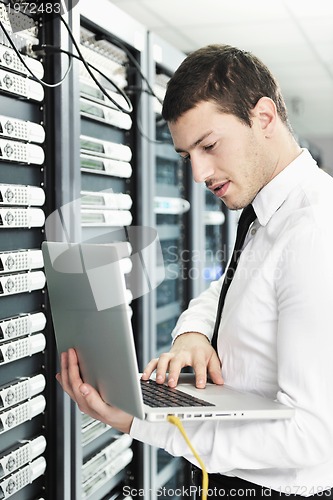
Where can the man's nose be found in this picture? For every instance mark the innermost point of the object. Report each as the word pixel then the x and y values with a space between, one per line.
pixel 202 169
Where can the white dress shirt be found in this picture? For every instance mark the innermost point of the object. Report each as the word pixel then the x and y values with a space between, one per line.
pixel 275 339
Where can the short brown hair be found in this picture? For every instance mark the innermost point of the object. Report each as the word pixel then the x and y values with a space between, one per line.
pixel 232 78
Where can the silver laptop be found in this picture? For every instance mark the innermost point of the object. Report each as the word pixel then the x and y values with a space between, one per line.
pixel 87 292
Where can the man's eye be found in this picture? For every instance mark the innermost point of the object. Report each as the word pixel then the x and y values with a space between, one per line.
pixel 210 146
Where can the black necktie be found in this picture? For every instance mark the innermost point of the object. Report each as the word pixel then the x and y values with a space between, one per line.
pixel 247 217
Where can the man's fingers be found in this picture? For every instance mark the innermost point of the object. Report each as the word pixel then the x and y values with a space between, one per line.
pixel 62 377
pixel 175 366
pixel 200 370
pixel 163 367
pixel 214 370
pixel 86 397
pixel 200 355
pixel 69 377
pixel 74 376
pixel 90 402
pixel 149 369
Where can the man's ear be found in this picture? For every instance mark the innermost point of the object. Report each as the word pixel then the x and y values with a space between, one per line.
pixel 266 113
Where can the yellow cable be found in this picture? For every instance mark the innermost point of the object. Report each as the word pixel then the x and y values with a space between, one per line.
pixel 175 420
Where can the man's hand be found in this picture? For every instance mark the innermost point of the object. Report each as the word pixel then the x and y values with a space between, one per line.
pixel 87 398
pixel 189 349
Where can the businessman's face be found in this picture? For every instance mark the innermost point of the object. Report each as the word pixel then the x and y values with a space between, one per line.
pixel 230 157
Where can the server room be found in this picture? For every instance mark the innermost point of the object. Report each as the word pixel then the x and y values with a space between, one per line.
pixel 166 196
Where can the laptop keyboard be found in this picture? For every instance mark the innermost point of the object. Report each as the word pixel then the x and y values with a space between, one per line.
pixel 160 395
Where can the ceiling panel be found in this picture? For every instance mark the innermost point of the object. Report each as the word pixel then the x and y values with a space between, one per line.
pixel 293 37
pixel 245 35
pixel 311 9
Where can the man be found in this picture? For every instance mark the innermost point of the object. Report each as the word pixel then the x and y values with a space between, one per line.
pixel 228 118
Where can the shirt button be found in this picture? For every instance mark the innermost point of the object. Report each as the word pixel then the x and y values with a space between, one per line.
pixel 253 231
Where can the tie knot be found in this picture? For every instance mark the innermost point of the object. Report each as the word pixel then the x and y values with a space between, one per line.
pixel 247 216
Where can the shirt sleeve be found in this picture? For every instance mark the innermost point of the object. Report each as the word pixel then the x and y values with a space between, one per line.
pixel 304 291
pixel 201 313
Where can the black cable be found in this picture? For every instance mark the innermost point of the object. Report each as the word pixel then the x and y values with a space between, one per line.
pixel 44 48
pixel 45 84
pixel 82 59
pixel 112 39
pixel 150 90
pixel 86 65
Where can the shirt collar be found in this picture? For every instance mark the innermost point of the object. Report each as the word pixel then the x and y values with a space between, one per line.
pixel 273 195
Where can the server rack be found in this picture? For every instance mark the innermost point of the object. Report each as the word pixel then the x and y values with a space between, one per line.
pixel 106 204
pixel 26 437
pixel 97 164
